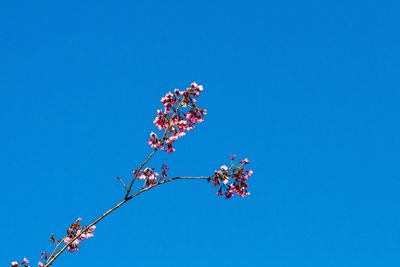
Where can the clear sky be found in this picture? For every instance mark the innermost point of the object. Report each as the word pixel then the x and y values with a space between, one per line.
pixel 307 90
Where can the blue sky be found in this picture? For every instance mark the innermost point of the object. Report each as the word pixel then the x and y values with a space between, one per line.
pixel 307 90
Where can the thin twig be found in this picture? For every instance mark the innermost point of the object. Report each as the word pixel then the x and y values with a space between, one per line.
pixel 122 182
pixel 59 242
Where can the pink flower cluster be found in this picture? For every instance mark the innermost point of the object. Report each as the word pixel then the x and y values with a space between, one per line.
pixel 232 180
pixel 150 176
pixel 173 121
pixel 75 229
pixel 24 263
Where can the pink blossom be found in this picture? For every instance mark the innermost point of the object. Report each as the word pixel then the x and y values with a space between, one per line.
pixel 177 92
pixel 170 148
pixel 75 230
pixel 229 193
pixel 219 192
pixel 240 189
pixel 218 175
pixel 73 248
pixel 173 120
pixel 40 264
pixel 161 120
pixel 168 101
pixel 224 168
pixel 76 242
pixel 232 180
pixel 89 233
pixel 248 173
pixel 25 260
pixel 154 141
pixel 196 89
pixel 203 112
pixel 148 174
pixel 244 161
pixel 14 264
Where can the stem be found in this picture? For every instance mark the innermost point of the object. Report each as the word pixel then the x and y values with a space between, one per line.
pixel 55 249
pixel 122 182
pixel 116 206
pixel 128 191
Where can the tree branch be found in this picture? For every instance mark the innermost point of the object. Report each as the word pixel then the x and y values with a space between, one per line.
pixel 52 258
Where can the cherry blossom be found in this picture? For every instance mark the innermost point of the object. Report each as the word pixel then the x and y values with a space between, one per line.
pixel 74 230
pixel 154 141
pixel 244 161
pixel 173 120
pixel 22 264
pixel 179 114
pixel 238 176
pixel 147 174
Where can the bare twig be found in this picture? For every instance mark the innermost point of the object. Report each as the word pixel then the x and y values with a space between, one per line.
pixel 122 182
pixel 59 242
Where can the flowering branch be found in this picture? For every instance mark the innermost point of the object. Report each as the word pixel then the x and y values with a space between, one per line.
pixel 51 259
pixel 174 122
pixel 128 190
